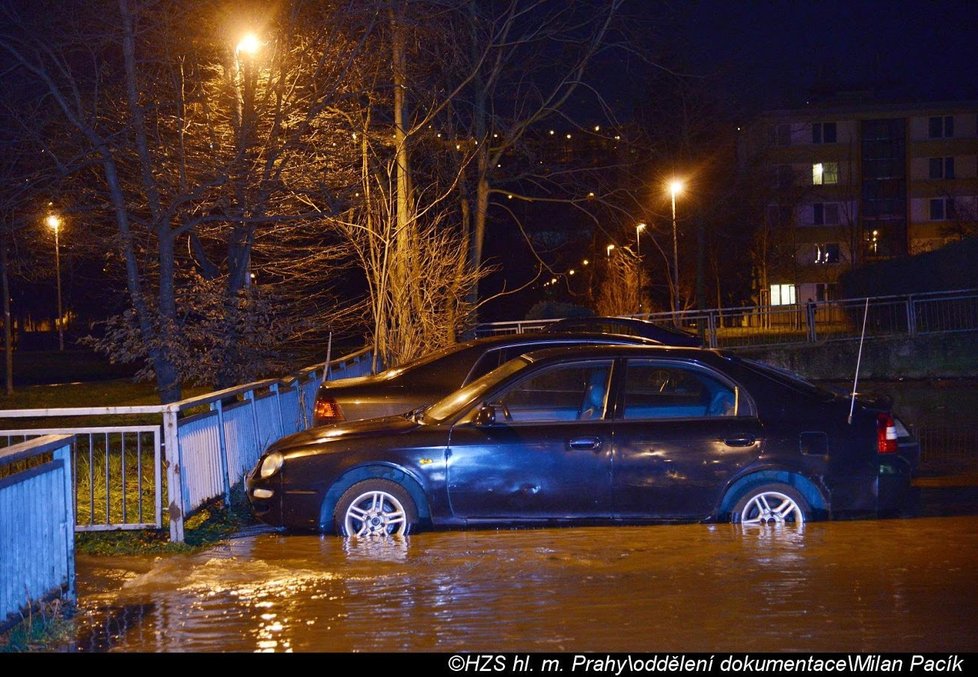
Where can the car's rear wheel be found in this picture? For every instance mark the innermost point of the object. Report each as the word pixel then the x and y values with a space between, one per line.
pixel 771 504
pixel 375 507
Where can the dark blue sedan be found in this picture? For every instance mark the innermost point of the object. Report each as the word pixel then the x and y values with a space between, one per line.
pixel 591 435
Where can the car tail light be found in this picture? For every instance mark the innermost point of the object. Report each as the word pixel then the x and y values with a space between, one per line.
pixel 886 434
pixel 326 411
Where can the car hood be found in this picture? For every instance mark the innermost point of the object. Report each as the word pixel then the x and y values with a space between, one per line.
pixel 371 427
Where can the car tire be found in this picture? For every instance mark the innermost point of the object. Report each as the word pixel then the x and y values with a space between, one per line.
pixel 773 503
pixel 375 507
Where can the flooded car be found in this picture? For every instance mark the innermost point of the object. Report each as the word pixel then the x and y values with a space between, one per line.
pixel 592 434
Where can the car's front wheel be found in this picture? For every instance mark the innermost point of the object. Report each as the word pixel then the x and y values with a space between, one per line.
pixel 771 504
pixel 375 507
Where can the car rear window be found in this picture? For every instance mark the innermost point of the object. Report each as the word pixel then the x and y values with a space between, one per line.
pixel 789 379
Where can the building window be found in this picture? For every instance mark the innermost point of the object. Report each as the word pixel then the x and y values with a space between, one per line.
pixel 827 253
pixel 941 168
pixel 782 294
pixel 825 214
pixel 941 127
pixel 784 176
pixel 942 209
pixel 825 173
pixel 823 132
pixel 781 134
pixel 779 216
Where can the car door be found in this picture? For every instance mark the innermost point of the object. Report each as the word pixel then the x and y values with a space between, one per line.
pixel 681 431
pixel 548 454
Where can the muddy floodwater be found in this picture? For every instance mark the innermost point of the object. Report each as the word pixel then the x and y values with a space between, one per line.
pixel 901 585
pixel 875 585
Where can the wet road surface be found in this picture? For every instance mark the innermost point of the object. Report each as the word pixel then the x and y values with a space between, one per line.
pixel 875 585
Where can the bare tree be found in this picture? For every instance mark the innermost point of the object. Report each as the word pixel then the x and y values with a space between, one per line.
pixel 201 147
pixel 621 291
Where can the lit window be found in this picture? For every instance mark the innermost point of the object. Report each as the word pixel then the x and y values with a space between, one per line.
pixel 782 294
pixel 825 173
pixel 827 253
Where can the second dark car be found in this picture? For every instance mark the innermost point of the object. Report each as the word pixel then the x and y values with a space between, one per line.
pixel 626 326
pixel 430 378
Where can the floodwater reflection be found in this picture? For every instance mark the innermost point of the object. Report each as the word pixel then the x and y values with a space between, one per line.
pixel 887 585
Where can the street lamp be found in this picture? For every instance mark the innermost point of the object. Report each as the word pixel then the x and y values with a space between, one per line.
pixel 638 239
pixel 244 54
pixel 638 255
pixel 608 250
pixel 53 222
pixel 675 188
pixel 249 44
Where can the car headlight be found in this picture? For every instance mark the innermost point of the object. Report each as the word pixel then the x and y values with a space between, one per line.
pixel 271 465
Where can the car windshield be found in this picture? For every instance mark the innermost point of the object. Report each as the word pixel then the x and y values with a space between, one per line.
pixel 449 406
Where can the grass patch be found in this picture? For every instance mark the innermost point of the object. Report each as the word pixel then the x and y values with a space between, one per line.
pixel 44 627
pixel 206 526
pixel 32 367
pixel 117 393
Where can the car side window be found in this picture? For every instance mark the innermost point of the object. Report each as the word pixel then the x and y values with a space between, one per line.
pixel 567 392
pixel 655 391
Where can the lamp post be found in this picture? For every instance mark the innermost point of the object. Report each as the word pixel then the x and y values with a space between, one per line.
pixel 608 250
pixel 638 256
pixel 245 53
pixel 53 222
pixel 675 188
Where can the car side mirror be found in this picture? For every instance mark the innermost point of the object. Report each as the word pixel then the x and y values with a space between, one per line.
pixel 486 416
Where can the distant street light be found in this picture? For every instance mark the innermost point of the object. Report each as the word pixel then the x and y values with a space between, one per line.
pixel 54 222
pixel 638 238
pixel 675 188
pixel 608 249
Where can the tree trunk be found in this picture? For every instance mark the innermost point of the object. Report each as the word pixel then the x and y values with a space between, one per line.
pixel 8 347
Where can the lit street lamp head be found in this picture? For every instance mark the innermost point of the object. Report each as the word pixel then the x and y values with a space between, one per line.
pixel 53 221
pixel 676 187
pixel 249 45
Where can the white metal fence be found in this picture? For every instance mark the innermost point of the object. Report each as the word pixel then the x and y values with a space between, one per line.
pixel 37 540
pixel 886 316
pixel 208 442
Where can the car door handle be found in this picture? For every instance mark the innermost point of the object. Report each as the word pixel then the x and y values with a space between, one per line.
pixel 744 441
pixel 584 443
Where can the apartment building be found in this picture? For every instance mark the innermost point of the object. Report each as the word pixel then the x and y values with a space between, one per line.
pixel 841 185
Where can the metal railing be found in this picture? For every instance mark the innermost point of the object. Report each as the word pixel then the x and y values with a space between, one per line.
pixel 37 541
pixel 731 328
pixel 117 473
pixel 209 442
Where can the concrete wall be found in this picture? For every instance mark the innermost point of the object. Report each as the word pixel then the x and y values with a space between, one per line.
pixel 944 356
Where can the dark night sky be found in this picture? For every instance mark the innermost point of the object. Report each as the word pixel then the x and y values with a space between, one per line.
pixel 769 53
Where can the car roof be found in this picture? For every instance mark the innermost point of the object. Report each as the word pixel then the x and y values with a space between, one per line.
pixel 606 350
pixel 540 337
pixel 640 327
